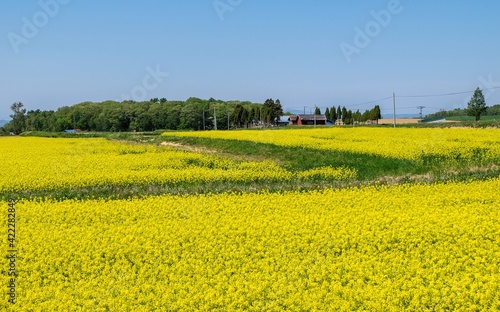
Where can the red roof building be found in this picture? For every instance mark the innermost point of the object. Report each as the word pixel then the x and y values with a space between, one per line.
pixel 302 120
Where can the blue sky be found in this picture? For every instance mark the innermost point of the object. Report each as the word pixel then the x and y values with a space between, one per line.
pixel 62 52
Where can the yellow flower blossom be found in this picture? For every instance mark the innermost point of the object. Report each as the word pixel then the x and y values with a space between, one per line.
pixel 378 248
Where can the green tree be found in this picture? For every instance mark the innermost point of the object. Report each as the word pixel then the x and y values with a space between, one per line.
pixel 277 111
pixel 333 114
pixel 272 111
pixel 245 117
pixel 173 120
pixel 317 111
pixel 34 121
pixel 376 114
pixel 18 117
pixel 365 116
pixel 348 119
pixel 344 115
pixel 238 116
pixel 493 110
pixel 191 116
pixel 357 116
pixel 339 113
pixel 327 113
pixel 477 105
pixel 254 115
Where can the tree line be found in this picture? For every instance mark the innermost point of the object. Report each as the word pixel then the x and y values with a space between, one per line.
pixel 476 107
pixel 161 114
pixel 156 114
pixel 442 114
pixel 348 117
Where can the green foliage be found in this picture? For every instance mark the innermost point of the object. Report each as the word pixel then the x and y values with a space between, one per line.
pixel 241 117
pixel 111 116
pixel 477 105
pixel 458 114
pixel 473 118
pixel 376 113
pixel 333 114
pixel 272 111
pixel 493 110
pixel 17 124
pixel 344 115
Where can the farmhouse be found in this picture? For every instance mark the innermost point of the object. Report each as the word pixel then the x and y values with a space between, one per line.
pixel 308 119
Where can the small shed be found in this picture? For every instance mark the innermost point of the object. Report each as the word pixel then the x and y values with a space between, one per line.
pixel 72 131
pixel 284 121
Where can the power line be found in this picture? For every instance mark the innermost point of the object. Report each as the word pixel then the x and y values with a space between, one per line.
pixel 417 96
pixel 390 97
pixel 410 107
pixel 443 94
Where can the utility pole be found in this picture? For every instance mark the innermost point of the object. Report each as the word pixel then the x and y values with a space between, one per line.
pixel 314 116
pixel 260 117
pixel 420 108
pixel 215 120
pixel 394 104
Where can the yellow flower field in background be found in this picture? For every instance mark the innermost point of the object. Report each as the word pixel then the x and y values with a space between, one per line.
pixel 406 143
pixel 49 164
pixel 415 247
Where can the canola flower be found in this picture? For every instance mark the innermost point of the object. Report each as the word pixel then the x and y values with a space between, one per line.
pixel 378 248
pixel 51 164
pixel 403 143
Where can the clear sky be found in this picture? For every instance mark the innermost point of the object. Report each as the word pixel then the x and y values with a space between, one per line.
pixel 306 53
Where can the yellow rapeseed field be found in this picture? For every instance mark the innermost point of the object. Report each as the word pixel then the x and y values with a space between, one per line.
pixel 375 248
pixel 406 143
pixel 50 164
pixel 379 248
